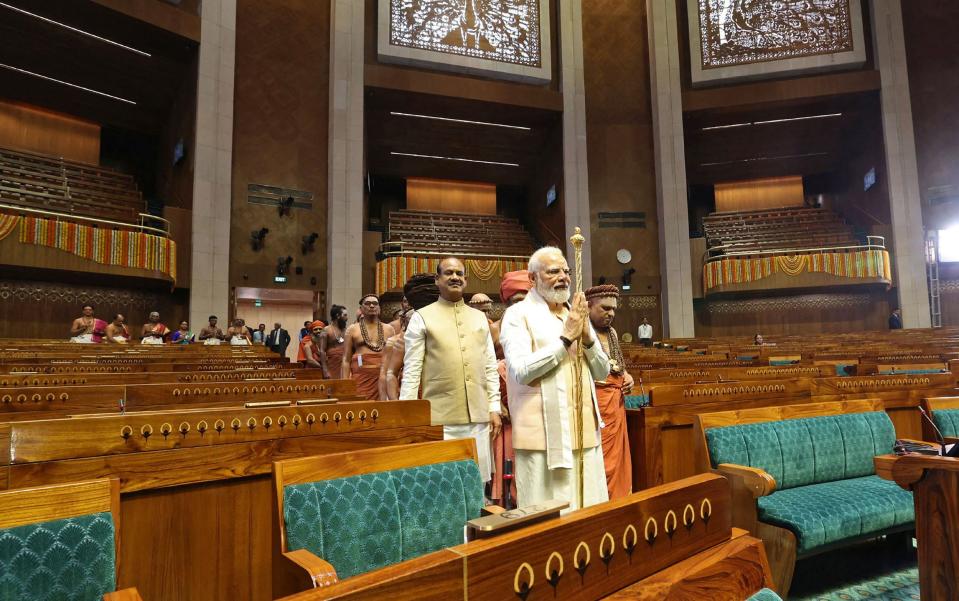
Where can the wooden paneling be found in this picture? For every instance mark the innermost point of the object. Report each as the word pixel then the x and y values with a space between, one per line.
pixel 183 20
pixel 620 144
pixel 34 309
pixel 931 48
pixel 794 314
pixel 280 109
pixel 766 193
pixel 24 127
pixel 424 194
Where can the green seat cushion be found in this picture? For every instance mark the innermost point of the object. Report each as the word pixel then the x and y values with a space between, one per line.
pixel 635 401
pixel 64 560
pixel 364 522
pixel 798 452
pixel 899 372
pixel 353 523
pixel 947 420
pixel 829 512
pixel 433 507
pixel 765 595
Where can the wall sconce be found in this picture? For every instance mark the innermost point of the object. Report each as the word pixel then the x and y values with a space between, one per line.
pixel 257 237
pixel 308 242
pixel 285 205
pixel 283 265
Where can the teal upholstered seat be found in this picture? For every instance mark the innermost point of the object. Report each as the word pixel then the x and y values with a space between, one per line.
pixel 72 559
pixel 900 372
pixel 826 490
pixel 947 420
pixel 369 521
pixel 635 401
pixel 765 595
pixel 827 513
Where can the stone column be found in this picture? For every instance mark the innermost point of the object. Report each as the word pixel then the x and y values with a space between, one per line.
pixel 345 191
pixel 575 171
pixel 908 237
pixel 667 104
pixel 213 164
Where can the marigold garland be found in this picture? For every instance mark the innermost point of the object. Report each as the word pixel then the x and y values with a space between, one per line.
pixel 393 272
pixel 856 264
pixel 105 246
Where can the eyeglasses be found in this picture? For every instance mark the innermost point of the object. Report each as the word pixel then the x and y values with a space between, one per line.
pixel 371 303
pixel 555 271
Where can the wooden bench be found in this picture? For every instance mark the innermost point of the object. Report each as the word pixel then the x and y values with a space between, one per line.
pixel 783 461
pixel 670 542
pixel 65 538
pixel 196 484
pixel 402 502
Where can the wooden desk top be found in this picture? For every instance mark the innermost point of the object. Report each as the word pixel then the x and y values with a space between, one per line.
pixel 908 470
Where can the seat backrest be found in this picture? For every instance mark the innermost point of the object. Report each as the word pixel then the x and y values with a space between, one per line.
pixel 59 542
pixel 945 414
pixel 368 509
pixel 805 450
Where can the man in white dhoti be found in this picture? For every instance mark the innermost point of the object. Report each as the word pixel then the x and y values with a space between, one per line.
pixel 82 328
pixel 539 336
pixel 450 351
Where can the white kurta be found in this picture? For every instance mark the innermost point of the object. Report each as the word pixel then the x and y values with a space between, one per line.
pixel 480 433
pixel 538 393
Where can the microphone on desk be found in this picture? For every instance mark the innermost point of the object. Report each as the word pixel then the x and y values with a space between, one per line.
pixel 954 451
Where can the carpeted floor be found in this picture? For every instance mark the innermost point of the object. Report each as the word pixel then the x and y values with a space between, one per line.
pixel 882 570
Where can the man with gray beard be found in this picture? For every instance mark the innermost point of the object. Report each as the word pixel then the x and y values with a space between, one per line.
pixel 540 335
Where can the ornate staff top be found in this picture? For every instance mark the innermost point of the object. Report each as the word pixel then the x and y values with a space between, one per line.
pixel 577 240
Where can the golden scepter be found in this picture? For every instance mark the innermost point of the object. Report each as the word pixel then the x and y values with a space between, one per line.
pixel 577 240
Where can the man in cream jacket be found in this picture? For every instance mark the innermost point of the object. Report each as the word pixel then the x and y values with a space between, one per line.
pixel 449 351
pixel 539 337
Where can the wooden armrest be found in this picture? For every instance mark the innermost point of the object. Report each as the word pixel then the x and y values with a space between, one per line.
pixel 492 510
pixel 759 482
pixel 320 571
pixel 127 594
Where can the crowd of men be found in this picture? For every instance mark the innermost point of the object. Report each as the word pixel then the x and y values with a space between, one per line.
pixel 543 412
pixel 89 329
pixel 541 391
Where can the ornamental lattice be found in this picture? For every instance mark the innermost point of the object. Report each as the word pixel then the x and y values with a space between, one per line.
pixel 738 32
pixel 506 31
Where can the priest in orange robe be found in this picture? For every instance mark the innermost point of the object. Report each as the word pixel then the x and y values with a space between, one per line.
pixel 611 393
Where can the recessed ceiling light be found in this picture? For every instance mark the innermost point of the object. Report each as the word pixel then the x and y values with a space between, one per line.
pixel 432 156
pixel 66 83
pixel 771 121
pixel 467 121
pixel 758 159
pixel 74 29
pixel 806 118
pixel 730 126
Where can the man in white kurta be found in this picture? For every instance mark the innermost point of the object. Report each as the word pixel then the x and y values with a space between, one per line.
pixel 449 351
pixel 539 337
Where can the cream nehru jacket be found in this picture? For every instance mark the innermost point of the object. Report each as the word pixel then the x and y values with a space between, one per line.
pixel 450 351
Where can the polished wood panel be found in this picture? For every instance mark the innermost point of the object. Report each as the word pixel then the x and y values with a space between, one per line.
pixel 30 128
pixel 424 194
pixel 763 193
pixel 728 571
pixel 31 505
pixel 935 485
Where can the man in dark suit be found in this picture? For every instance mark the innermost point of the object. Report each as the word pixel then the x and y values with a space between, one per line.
pixel 278 340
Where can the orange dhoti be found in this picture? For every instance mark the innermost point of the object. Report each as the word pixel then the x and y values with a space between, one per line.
pixel 334 360
pixel 503 446
pixel 612 409
pixel 365 371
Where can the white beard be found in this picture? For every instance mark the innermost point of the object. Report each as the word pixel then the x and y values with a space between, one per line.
pixel 552 295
